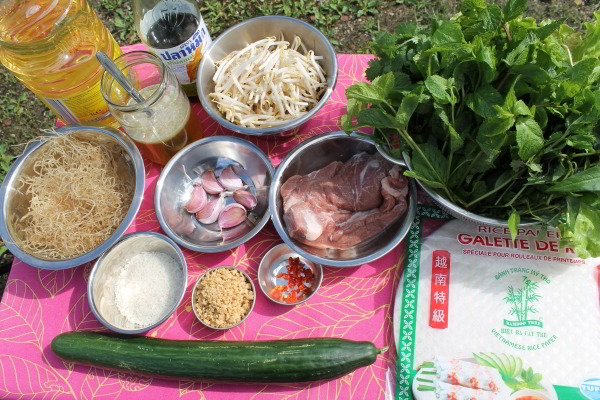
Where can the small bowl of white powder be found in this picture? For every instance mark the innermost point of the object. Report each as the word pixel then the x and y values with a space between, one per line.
pixel 138 283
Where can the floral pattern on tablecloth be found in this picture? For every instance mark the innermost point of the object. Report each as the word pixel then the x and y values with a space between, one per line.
pixel 353 303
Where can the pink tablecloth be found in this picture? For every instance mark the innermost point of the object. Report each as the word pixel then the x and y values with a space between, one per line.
pixel 353 303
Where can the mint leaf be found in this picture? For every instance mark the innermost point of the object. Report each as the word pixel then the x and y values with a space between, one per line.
pixel 514 8
pixel 407 108
pixel 406 29
pixel 354 107
pixel 496 126
pixel 541 117
pixel 513 383
pixel 520 108
pixel 472 8
pixel 346 123
pixel 537 378
pixel 573 204
pixel 482 101
pixel 585 236
pixel 447 32
pixel 376 118
pixel 456 141
pixel 366 92
pixel 479 189
pixel 546 30
pixel 385 44
pixel 513 223
pixel 579 75
pixel 590 45
pixel 438 87
pixel 426 181
pixel 511 98
pixel 486 58
pixel 433 167
pixel 584 181
pixel 402 81
pixel 481 18
pixel 385 82
pixel 520 54
pixel 530 138
pixel 531 73
pixel 374 70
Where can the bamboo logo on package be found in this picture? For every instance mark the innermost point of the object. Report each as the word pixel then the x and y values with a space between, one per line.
pixel 522 303
pixel 524 329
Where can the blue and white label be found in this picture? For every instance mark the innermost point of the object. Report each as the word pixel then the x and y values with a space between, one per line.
pixel 590 388
pixel 184 59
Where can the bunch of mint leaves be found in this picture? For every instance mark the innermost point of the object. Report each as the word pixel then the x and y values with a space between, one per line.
pixel 498 113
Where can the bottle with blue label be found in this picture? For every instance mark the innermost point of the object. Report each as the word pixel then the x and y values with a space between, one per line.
pixel 175 31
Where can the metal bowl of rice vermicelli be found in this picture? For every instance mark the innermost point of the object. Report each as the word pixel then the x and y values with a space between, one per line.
pixel 70 196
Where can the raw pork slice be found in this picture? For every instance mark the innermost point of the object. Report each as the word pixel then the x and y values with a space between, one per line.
pixel 344 204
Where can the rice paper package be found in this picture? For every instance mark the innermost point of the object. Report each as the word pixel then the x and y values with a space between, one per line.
pixel 480 316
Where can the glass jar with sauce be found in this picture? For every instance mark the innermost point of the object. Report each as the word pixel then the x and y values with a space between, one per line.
pixel 164 122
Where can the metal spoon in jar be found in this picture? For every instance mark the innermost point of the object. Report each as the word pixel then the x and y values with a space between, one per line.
pixel 116 73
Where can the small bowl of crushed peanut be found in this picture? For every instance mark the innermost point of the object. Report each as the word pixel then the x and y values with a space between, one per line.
pixel 223 297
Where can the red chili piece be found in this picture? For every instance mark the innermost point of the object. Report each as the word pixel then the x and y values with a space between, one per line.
pixel 297 276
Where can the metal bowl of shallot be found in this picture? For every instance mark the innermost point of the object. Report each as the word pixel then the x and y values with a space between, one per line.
pixel 212 196
pixel 336 201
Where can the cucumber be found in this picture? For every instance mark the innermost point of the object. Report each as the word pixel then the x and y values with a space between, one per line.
pixel 277 361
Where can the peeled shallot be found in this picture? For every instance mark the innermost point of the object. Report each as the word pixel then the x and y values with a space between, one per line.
pixel 232 215
pixel 230 180
pixel 211 211
pixel 245 198
pixel 197 200
pixel 210 183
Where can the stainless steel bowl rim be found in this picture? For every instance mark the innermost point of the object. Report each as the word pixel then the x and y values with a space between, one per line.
pixel 202 277
pixel 317 286
pixel 159 184
pixel 136 202
pixel 276 129
pixel 409 216
pixel 99 262
pixel 454 210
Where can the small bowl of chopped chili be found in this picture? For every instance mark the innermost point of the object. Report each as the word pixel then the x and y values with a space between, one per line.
pixel 288 278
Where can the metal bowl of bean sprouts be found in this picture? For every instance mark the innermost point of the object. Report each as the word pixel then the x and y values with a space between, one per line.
pixel 300 64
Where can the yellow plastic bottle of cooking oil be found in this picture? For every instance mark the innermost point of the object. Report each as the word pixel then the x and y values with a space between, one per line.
pixel 50 45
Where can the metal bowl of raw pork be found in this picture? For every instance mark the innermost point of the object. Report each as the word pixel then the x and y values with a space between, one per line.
pixel 336 201
pixel 212 195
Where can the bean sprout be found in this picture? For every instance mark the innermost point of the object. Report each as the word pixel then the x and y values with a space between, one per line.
pixel 268 83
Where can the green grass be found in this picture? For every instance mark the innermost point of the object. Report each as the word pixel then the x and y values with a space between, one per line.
pixel 219 15
pixel 22 114
pixel 118 17
pixel 349 24
pixel 5 162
